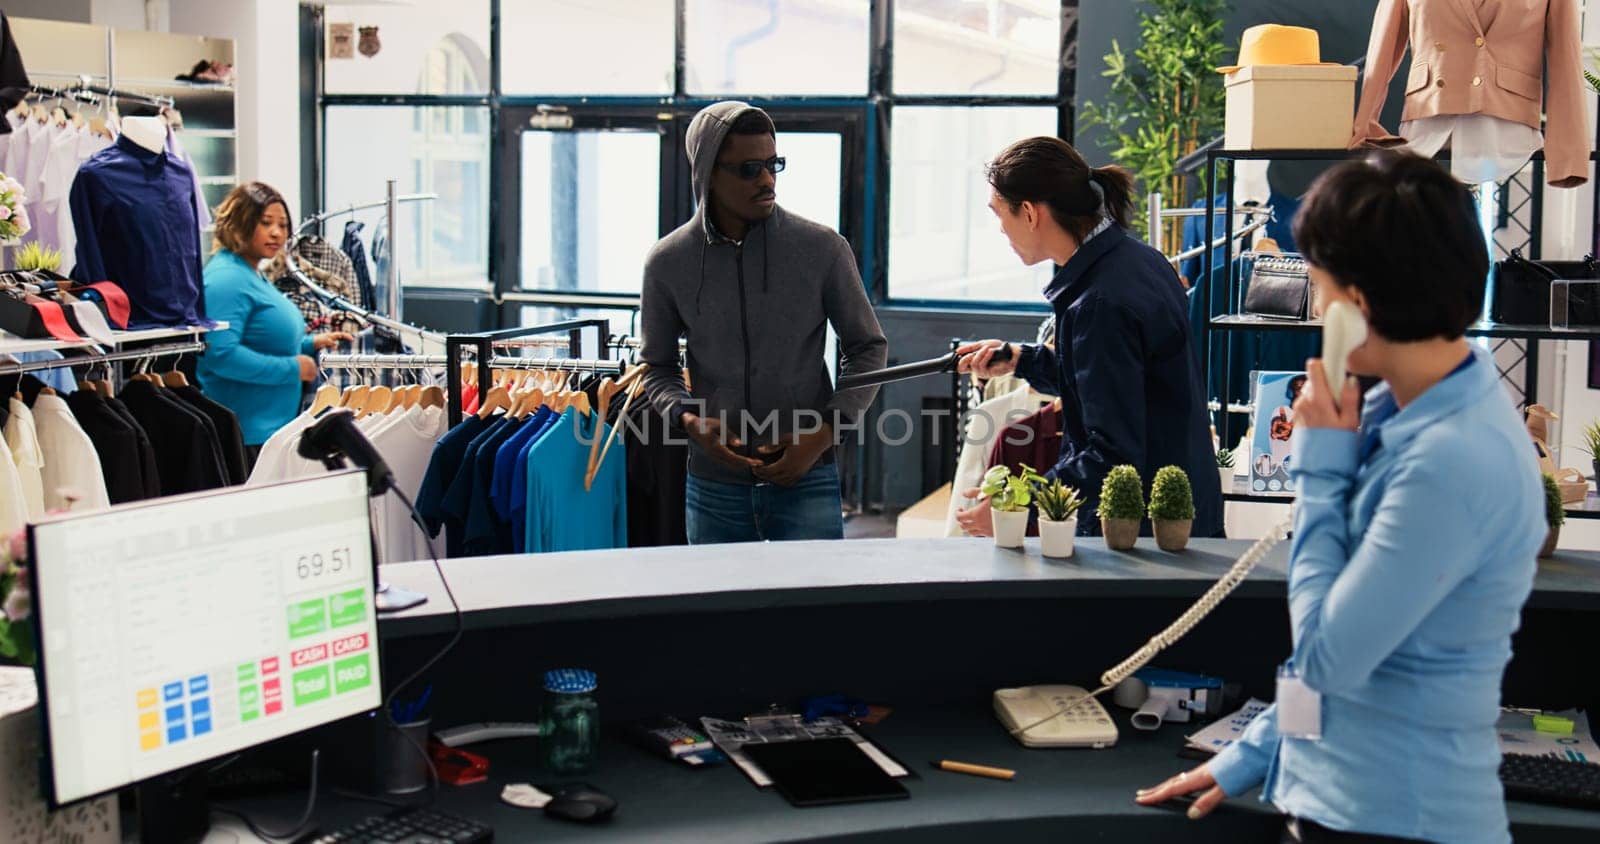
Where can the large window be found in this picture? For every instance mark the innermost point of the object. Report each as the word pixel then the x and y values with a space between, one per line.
pixel 607 47
pixel 944 242
pixel 590 209
pixel 775 47
pixel 945 48
pixel 811 182
pixel 407 39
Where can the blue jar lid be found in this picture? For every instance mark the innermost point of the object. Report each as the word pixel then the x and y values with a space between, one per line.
pixel 570 681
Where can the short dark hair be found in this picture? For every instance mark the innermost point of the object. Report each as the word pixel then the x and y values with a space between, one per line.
pixel 1404 232
pixel 241 211
pixel 1048 170
pixel 753 122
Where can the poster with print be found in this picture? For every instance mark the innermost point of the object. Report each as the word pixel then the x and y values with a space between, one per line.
pixel 1270 459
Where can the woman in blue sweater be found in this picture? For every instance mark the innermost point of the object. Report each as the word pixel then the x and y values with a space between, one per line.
pixel 256 365
pixel 1419 516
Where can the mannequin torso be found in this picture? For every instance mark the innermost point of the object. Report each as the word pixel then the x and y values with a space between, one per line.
pixel 147 132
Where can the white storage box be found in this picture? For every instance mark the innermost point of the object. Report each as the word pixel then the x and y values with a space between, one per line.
pixel 1290 107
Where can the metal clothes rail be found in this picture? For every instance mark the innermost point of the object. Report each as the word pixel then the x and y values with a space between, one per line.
pixel 336 301
pixel 95 358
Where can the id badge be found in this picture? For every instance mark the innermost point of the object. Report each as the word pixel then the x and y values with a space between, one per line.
pixel 1299 707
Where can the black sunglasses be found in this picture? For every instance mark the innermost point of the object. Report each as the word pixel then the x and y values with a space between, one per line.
pixel 749 170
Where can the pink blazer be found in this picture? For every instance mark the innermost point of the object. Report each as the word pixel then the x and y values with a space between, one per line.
pixel 1483 57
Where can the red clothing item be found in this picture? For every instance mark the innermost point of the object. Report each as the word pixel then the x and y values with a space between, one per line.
pixel 1035 441
pixel 469 398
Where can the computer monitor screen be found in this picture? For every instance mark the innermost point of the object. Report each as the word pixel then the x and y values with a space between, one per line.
pixel 187 628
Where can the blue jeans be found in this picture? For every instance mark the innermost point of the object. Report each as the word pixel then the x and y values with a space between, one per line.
pixel 717 512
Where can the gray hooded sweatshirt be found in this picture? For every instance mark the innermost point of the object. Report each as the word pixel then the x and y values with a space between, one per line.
pixel 755 314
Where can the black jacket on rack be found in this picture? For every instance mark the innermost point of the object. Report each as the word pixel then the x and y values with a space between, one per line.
pixel 184 441
pixel 230 439
pixel 116 441
pixel 149 470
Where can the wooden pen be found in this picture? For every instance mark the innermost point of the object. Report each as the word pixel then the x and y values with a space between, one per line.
pixel 975 770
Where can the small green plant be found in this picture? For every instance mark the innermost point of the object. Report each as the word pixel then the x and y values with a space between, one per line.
pixel 1555 514
pixel 33 256
pixel 1591 439
pixel 1007 493
pixel 1122 494
pixel 1224 458
pixel 1057 502
pixel 1171 498
pixel 16 603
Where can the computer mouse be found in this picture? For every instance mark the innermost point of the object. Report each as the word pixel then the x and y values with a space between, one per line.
pixel 582 804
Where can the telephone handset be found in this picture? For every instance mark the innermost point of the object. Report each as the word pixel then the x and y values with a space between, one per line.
pixel 1028 712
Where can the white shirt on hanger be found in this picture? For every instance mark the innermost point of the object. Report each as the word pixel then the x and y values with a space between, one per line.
pixel 279 460
pixel 1482 148
pixel 23 441
pixel 406 444
pixel 13 505
pixel 89 143
pixel 73 479
pixel 984 424
pixel 55 176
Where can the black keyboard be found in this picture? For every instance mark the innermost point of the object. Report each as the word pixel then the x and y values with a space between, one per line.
pixel 409 826
pixel 1546 779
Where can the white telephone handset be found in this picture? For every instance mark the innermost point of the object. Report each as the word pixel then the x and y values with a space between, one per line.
pixel 1343 329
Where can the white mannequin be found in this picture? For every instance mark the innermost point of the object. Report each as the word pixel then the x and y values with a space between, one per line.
pixel 148 132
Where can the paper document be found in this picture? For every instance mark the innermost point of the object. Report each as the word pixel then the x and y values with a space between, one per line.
pixel 1226 731
pixel 1517 735
pixel 731 736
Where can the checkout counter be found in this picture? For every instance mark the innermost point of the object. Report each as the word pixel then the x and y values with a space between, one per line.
pixel 928 627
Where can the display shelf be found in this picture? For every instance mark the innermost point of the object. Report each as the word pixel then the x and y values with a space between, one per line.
pixel 10 344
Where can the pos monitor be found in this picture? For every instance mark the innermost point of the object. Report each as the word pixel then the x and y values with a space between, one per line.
pixel 188 628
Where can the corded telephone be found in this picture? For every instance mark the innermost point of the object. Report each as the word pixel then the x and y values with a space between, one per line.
pixel 1069 716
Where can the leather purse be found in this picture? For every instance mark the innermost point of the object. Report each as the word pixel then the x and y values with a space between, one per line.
pixel 1521 290
pixel 1279 288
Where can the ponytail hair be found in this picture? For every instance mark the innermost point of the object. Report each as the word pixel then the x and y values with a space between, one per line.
pixel 1048 171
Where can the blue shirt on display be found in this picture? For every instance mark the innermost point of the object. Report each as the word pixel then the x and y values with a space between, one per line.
pixel 561 514
pixel 133 211
pixel 1413 554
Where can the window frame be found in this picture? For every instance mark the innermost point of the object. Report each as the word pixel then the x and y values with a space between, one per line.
pixel 865 123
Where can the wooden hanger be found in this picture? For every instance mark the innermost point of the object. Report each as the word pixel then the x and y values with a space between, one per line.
pixel 354 397
pixel 608 388
pixel 327 396
pixel 175 379
pixel 633 391
pixel 499 397
pixel 379 400
pixel 432 396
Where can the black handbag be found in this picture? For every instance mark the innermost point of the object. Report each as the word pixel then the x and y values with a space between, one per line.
pixel 1521 290
pixel 1280 288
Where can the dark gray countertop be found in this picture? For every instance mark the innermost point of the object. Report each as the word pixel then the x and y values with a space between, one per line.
pixel 530 588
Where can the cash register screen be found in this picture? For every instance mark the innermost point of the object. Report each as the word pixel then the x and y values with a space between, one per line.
pixel 187 628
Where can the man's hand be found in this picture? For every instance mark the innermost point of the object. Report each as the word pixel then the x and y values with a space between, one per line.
pixel 1188 782
pixel 977 357
pixel 708 434
pixel 796 458
pixel 977 519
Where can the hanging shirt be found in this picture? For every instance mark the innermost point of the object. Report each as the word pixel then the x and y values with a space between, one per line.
pixel 357 253
pixel 505 459
pixel 133 213
pixel 517 494
pixel 188 461
pixel 486 531
pixel 1483 148
pixel 658 475
pixel 407 446
pixel 71 474
pixel 230 439
pixel 23 441
pixel 66 237
pixel 448 454
pixel 149 471
pixel 984 423
pixel 252 366
pixel 279 459
pixel 13 501
pixel 562 515
pixel 115 441
pixel 56 172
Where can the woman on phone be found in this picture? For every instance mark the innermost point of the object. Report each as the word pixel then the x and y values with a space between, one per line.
pixel 1420 514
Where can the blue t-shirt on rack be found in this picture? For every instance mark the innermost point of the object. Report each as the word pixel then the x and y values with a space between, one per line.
pixel 517 500
pixel 458 496
pixel 561 514
pixel 506 457
pixel 487 533
pixel 442 468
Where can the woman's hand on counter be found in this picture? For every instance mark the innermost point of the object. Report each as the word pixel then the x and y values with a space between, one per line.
pixel 1188 782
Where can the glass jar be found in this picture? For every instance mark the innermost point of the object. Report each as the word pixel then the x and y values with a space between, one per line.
pixel 570 728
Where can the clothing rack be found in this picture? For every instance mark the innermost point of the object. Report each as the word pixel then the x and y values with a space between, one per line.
pixel 343 361
pixel 83 87
pixel 391 205
pixel 483 345
pixel 1249 229
pixel 95 358
pixel 318 219
pixel 334 300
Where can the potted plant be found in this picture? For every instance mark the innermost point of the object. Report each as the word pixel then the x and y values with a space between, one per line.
pixel 16 631
pixel 1554 515
pixel 1121 507
pixel 1591 442
pixel 34 256
pixel 1009 496
pixel 1171 508
pixel 1058 513
pixel 1225 469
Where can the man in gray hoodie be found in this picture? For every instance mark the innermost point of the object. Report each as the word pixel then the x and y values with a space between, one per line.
pixel 753 288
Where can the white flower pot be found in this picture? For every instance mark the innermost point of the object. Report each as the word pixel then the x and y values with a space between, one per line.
pixel 1010 527
pixel 1055 538
pixel 1226 476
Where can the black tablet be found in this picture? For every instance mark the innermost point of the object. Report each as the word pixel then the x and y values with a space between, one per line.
pixel 823 771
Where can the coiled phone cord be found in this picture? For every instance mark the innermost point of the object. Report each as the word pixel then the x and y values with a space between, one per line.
pixel 1184 623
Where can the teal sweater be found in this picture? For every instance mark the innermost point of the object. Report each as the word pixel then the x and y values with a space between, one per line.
pixel 251 365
